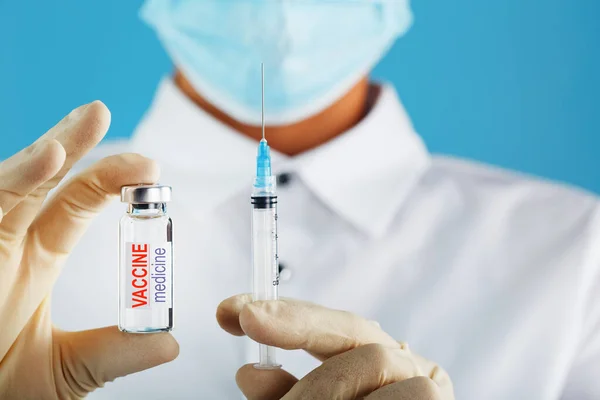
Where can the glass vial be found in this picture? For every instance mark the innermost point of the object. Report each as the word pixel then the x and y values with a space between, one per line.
pixel 146 260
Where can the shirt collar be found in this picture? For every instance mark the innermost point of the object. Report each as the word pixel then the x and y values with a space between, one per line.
pixel 363 175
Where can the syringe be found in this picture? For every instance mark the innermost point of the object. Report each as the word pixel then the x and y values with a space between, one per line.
pixel 264 235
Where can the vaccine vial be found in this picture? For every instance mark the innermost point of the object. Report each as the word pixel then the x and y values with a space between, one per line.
pixel 146 260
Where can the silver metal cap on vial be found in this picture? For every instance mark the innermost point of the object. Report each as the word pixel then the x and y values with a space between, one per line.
pixel 145 194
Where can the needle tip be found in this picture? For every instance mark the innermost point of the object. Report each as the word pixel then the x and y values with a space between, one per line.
pixel 262 77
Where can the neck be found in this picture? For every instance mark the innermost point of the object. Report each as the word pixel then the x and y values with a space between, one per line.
pixel 298 137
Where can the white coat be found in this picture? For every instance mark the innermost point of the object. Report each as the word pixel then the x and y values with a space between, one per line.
pixel 492 274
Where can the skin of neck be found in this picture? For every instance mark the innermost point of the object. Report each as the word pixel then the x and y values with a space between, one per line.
pixel 300 136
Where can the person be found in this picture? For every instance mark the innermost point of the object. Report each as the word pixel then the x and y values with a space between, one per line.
pixel 491 274
pixel 42 361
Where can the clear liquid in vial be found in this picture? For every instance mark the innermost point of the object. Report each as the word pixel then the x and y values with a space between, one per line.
pixel 146 269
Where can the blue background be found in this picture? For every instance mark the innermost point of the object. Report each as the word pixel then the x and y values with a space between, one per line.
pixel 512 82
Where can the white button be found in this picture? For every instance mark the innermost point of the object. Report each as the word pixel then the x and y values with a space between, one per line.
pixel 285 274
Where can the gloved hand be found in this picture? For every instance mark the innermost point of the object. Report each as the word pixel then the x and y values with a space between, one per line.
pixel 38 360
pixel 359 359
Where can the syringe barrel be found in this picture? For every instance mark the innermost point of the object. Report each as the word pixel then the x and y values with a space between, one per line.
pixel 265 261
pixel 264 248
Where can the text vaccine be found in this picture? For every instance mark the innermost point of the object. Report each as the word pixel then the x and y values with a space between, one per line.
pixel 146 260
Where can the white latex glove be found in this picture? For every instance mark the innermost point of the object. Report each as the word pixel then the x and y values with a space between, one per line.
pixel 359 359
pixel 38 360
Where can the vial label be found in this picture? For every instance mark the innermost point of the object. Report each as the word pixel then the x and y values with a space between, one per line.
pixel 149 274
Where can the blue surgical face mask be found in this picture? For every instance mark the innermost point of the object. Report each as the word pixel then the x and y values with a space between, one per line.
pixel 314 51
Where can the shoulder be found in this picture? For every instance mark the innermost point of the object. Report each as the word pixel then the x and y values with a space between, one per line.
pixel 513 206
pixel 487 181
